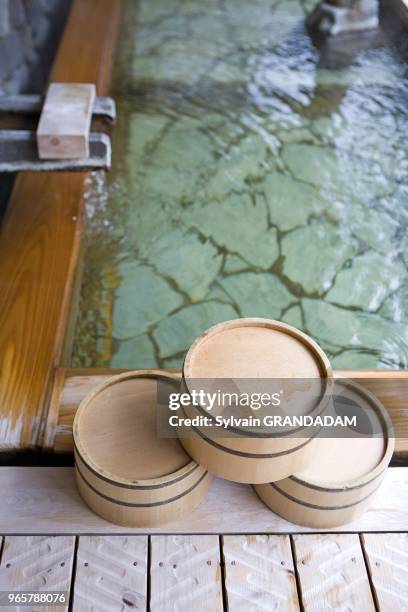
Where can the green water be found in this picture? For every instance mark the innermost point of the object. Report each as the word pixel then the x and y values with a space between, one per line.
pixel 247 182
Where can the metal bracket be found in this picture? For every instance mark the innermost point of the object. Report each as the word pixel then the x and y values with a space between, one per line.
pixel 19 153
pixel 32 105
pixel 19 150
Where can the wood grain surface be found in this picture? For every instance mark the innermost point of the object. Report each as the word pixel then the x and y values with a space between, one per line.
pixel 387 562
pixel 72 385
pixel 46 500
pixel 39 245
pixel 259 573
pixel 391 388
pixel 111 574
pixel 332 573
pixel 65 121
pixel 270 346
pixel 185 574
pixel 37 563
pixel 69 389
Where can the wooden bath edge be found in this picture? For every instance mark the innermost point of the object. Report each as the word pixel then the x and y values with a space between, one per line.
pixel 72 385
pixel 40 243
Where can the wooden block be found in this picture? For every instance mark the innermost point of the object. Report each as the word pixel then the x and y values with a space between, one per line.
pixel 387 560
pixel 111 573
pixel 185 574
pixel 37 563
pixel 332 573
pixel 65 122
pixel 259 573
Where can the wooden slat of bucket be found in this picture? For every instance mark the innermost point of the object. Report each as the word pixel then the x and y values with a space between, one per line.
pixel 38 563
pixel 332 572
pixel 72 385
pixel 259 573
pixel 185 573
pixel 111 573
pixel 39 245
pixel 387 562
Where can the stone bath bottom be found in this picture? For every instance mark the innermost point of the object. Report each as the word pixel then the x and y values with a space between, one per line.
pixel 247 181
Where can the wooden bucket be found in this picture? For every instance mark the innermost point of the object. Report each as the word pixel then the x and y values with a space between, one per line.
pixel 339 483
pixel 249 349
pixel 124 471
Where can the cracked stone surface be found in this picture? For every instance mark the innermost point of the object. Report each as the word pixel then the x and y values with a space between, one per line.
pixel 374 227
pixel 371 277
pixel 137 352
pixel 257 295
pixel 246 181
pixel 246 161
pixel 326 248
pixel 355 329
pixel 335 170
pixel 396 307
pixel 234 263
pixel 351 360
pixel 226 224
pixel 291 203
pixel 173 255
pixel 179 330
pixel 143 298
pixel 293 316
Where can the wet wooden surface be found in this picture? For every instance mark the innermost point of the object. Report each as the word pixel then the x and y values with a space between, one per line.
pixel 39 246
pixel 71 386
pixel 203 573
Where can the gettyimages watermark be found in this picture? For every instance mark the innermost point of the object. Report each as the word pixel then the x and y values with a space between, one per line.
pixel 34 599
pixel 209 400
pixel 254 402
pixel 269 407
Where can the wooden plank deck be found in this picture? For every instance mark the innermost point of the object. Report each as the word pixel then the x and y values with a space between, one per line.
pixel 311 572
pixel 332 572
pixel 46 500
pixel 71 386
pixel 37 563
pixel 40 245
pixel 387 562
pixel 110 573
pixel 259 573
pixel 185 573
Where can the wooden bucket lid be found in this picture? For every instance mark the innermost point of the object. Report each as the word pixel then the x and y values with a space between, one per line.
pixel 255 348
pixel 115 432
pixel 346 463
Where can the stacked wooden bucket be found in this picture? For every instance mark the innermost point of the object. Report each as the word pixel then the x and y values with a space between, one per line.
pixel 125 471
pixel 131 476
